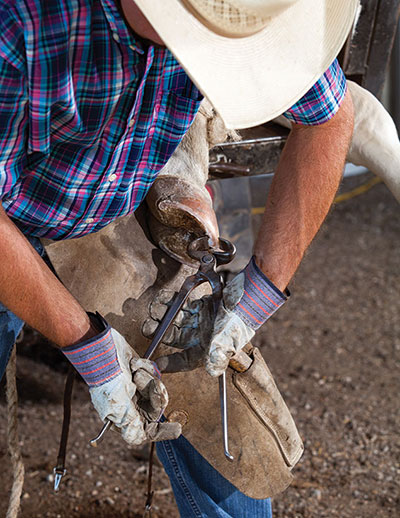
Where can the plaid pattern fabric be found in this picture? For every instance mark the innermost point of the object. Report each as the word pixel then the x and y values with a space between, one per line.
pixel 322 101
pixel 88 115
pixel 260 297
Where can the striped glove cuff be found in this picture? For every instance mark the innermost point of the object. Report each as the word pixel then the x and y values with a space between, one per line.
pixel 95 359
pixel 260 299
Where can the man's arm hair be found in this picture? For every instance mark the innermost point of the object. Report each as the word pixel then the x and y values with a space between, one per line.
pixel 301 193
pixel 30 290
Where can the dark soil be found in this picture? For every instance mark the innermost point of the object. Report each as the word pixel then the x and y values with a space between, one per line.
pixel 334 350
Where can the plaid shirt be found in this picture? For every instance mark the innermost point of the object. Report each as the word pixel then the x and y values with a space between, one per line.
pixel 89 114
pixel 322 101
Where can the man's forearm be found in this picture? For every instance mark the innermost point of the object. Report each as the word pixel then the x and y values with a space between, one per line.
pixel 301 193
pixel 30 290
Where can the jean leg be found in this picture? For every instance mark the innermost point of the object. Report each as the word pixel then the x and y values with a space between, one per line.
pixel 10 324
pixel 200 491
pixel 10 327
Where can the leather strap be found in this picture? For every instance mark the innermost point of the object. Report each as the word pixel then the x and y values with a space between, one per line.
pixel 150 492
pixel 59 470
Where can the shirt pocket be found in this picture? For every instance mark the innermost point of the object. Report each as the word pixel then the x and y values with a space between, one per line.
pixel 177 114
pixel 174 117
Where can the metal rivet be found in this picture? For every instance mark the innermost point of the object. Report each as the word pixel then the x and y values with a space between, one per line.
pixel 207 259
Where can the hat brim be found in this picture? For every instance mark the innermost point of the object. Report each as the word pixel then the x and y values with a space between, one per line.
pixel 253 79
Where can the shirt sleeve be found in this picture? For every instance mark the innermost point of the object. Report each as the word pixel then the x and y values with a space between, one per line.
pixel 13 103
pixel 13 123
pixel 323 99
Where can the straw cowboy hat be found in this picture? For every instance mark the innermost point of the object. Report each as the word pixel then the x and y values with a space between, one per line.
pixel 252 58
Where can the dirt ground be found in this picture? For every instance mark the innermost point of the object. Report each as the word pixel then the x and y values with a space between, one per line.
pixel 334 350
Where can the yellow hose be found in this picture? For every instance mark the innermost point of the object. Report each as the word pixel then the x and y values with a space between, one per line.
pixel 340 197
pixel 358 190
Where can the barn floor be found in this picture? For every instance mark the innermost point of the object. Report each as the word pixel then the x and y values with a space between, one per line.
pixel 334 350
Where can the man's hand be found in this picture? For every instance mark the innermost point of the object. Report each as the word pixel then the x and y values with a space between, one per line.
pixel 230 332
pixel 191 331
pixel 300 196
pixel 248 301
pixel 124 388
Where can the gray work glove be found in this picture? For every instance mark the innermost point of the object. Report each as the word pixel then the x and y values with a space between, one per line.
pixel 191 332
pixel 248 301
pixel 124 388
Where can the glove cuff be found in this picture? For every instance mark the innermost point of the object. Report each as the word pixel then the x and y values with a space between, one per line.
pixel 260 298
pixel 95 359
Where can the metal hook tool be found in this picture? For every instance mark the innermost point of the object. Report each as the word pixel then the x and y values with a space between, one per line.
pixel 209 259
pixel 224 415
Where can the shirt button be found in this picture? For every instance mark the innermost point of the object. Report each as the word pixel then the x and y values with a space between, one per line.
pixel 151 131
pixel 89 220
pixel 112 177
pixel 116 37
pixel 131 123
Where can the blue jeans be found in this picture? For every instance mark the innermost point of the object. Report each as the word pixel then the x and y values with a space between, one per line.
pixel 200 491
